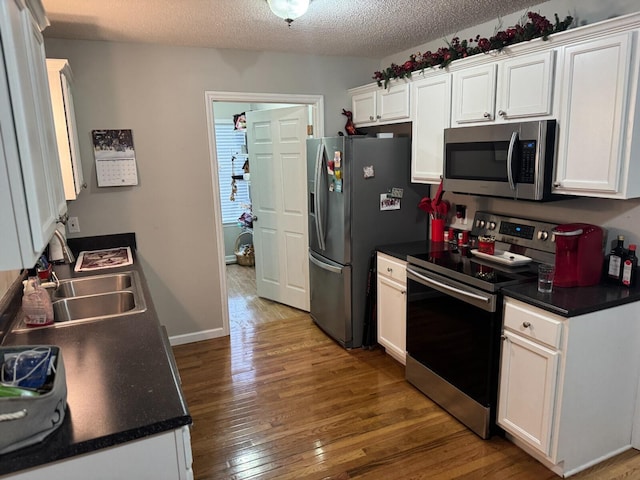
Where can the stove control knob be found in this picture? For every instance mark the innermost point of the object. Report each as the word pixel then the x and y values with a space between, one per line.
pixel 543 235
pixel 492 226
pixel 480 223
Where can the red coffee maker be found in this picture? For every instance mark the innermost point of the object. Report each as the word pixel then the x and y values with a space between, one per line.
pixel 579 255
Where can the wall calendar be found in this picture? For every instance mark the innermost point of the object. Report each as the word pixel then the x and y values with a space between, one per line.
pixel 115 158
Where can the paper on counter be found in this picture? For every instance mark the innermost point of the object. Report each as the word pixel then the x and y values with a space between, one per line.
pixel 107 258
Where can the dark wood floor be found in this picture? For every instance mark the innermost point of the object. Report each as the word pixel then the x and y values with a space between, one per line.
pixel 279 399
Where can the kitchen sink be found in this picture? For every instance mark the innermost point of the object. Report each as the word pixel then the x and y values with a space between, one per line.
pixel 79 287
pixel 94 306
pixel 94 298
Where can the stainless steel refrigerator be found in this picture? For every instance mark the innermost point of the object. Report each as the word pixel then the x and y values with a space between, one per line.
pixel 360 197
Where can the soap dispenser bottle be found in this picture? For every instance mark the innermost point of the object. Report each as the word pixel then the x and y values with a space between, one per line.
pixel 36 304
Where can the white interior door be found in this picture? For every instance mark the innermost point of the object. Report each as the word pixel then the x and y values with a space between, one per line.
pixel 276 142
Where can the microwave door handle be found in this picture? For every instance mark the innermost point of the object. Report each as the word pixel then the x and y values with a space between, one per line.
pixel 512 146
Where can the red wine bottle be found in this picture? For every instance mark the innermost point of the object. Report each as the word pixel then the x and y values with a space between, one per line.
pixel 629 267
pixel 615 259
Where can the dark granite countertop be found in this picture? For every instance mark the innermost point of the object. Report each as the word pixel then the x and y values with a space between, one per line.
pixel 567 302
pixel 571 302
pixel 403 250
pixel 122 384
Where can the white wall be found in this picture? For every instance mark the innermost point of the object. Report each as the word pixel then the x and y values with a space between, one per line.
pixel 159 93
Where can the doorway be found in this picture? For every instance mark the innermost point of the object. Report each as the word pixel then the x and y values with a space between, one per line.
pixel 212 99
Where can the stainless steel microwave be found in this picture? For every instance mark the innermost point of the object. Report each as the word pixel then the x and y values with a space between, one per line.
pixel 512 160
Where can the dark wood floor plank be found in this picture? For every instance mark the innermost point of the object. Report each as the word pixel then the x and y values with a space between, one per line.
pixel 280 400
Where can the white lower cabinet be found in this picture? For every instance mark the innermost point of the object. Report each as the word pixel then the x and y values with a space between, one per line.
pixel 165 456
pixel 392 306
pixel 568 386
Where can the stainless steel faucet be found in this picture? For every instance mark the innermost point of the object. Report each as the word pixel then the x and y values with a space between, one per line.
pixel 67 254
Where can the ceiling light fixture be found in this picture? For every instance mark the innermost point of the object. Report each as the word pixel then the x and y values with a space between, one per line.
pixel 289 10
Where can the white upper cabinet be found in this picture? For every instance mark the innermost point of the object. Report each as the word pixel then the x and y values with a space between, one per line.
pixel 32 193
pixel 511 89
pixel 525 86
pixel 61 89
pixel 474 94
pixel 431 114
pixel 598 132
pixel 374 105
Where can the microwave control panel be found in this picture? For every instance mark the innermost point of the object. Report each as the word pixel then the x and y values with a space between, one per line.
pixel 527 170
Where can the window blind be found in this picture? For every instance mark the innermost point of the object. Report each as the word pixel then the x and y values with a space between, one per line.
pixel 229 143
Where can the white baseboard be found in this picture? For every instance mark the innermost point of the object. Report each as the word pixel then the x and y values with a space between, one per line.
pixel 230 259
pixel 196 336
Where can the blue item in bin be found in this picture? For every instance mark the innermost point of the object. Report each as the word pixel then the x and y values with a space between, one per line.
pixel 28 368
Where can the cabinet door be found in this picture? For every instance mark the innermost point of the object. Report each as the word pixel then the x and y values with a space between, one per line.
pixel 592 121
pixel 392 317
pixel 37 188
pixel 474 94
pixel 393 103
pixel 431 113
pixel 60 87
pixel 525 86
pixel 15 228
pixel 526 399
pixel 364 108
pixel 44 117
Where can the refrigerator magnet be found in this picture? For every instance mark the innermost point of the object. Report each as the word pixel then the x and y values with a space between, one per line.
pixel 338 186
pixel 368 171
pixel 337 158
pixel 387 203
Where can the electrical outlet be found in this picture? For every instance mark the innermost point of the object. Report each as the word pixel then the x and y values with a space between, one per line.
pixel 73 225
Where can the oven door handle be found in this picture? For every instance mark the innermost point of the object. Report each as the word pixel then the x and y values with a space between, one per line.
pixel 482 298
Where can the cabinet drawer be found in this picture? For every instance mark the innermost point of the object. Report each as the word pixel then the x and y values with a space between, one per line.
pixel 532 323
pixel 393 268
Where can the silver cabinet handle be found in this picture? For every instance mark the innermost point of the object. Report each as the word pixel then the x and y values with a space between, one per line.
pixel 389 269
pixel 557 184
pixel 486 115
pixel 378 117
pixel 526 324
pixel 504 337
pixel 255 218
pixel 502 113
pixel 371 118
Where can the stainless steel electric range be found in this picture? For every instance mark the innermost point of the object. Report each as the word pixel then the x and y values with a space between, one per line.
pixel 454 313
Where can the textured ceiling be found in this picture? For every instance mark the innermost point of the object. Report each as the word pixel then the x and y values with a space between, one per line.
pixel 367 28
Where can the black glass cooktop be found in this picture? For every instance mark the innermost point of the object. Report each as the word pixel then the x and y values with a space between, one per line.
pixel 459 263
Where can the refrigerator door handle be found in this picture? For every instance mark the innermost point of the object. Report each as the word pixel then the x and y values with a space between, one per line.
pixel 317 201
pixel 324 266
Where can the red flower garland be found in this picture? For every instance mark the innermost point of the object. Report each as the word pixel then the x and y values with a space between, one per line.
pixel 537 26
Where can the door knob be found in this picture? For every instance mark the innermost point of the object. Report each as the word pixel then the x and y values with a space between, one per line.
pixel 255 219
